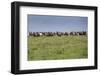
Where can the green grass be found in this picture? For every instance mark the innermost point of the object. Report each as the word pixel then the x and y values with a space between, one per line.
pixel 53 48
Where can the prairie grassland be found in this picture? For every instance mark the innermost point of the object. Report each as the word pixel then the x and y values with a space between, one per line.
pixel 55 47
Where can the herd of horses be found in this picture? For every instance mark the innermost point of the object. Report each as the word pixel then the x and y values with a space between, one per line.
pixel 38 34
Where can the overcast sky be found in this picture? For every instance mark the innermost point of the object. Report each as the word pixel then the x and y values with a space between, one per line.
pixel 47 23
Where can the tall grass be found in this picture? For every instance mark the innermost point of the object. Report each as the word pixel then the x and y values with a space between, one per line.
pixel 52 48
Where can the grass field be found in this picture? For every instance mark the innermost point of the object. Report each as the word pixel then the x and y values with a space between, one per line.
pixel 53 48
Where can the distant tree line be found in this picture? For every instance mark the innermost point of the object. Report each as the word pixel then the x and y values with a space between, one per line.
pixel 37 34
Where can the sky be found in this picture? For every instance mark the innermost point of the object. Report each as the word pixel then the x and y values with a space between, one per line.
pixel 47 23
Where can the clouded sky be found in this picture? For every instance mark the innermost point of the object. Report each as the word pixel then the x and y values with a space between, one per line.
pixel 47 23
